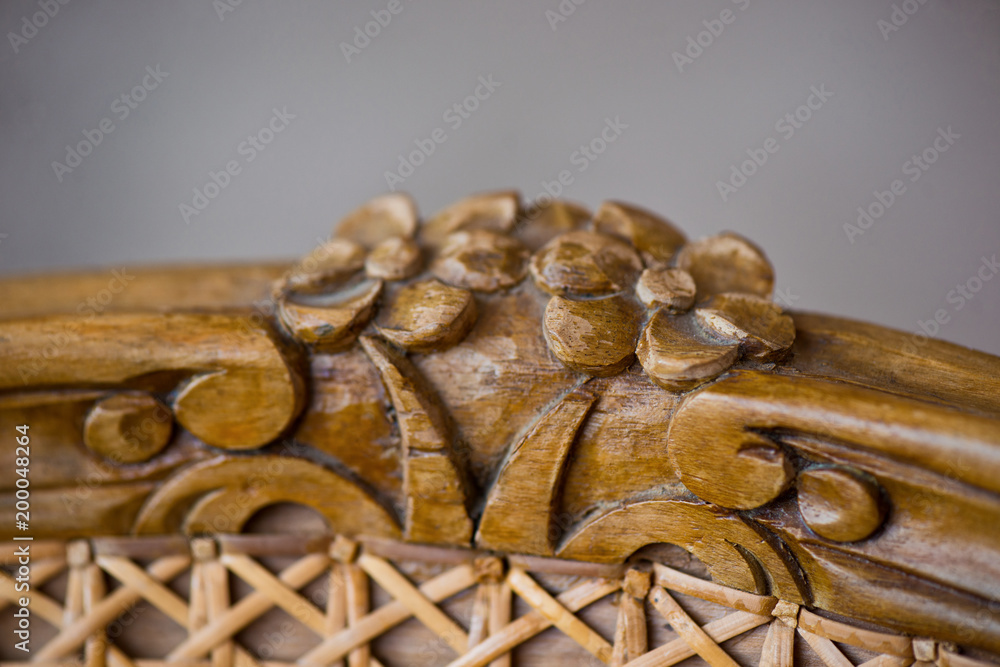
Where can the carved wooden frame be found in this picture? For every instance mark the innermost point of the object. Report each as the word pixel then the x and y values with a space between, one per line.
pixel 514 388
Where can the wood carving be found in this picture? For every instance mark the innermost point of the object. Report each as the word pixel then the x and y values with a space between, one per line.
pixel 517 394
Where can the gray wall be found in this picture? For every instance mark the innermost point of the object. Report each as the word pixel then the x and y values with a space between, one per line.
pixel 682 130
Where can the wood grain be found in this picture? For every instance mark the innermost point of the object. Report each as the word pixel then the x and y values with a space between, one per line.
pixel 530 380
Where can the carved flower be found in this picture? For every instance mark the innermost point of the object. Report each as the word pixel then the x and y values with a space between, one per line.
pixel 330 296
pixel 627 285
pixel 733 316
pixel 706 304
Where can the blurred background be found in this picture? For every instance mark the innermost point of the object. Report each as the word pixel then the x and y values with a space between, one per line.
pixel 857 142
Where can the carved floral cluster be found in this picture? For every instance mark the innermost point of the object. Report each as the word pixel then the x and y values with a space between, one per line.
pixel 623 283
pixel 705 303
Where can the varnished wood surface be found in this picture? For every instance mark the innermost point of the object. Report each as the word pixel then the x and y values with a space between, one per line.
pixel 92 292
pixel 531 381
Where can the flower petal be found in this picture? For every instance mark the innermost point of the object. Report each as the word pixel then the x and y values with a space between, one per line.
pixel 672 288
pixel 758 325
pixel 495 211
pixel 596 337
pixel 655 238
pixel 585 263
pixel 481 260
pixel 395 258
pixel 330 322
pixel 389 215
pixel 327 266
pixel 541 223
pixel 727 262
pixel 427 315
pixel 675 358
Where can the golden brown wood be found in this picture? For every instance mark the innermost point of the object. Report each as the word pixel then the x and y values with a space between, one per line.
pixel 585 263
pixel 128 427
pixel 212 496
pixel 656 239
pixel 388 216
pixel 427 316
pixel 534 381
pixel 481 261
pixel 330 322
pixel 147 288
pixel 592 337
pixel 839 504
pixel 493 211
pixel 672 288
pixel 677 358
pixel 518 511
pixel 436 491
pixel 727 263
pixel 395 258
pixel 239 390
pixel 757 324
pixel 544 220
pixel 330 264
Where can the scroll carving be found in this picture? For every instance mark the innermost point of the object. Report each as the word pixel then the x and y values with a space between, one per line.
pixel 221 494
pixel 234 386
pixel 536 382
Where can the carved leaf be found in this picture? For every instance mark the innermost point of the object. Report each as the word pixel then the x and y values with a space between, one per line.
pixel 518 512
pixel 434 479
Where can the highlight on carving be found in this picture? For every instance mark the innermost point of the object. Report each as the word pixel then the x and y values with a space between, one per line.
pixel 533 382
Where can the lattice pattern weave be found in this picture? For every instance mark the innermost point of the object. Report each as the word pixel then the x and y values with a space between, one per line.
pixel 345 629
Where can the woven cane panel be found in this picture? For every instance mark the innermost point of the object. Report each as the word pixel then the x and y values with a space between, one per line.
pixel 278 600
